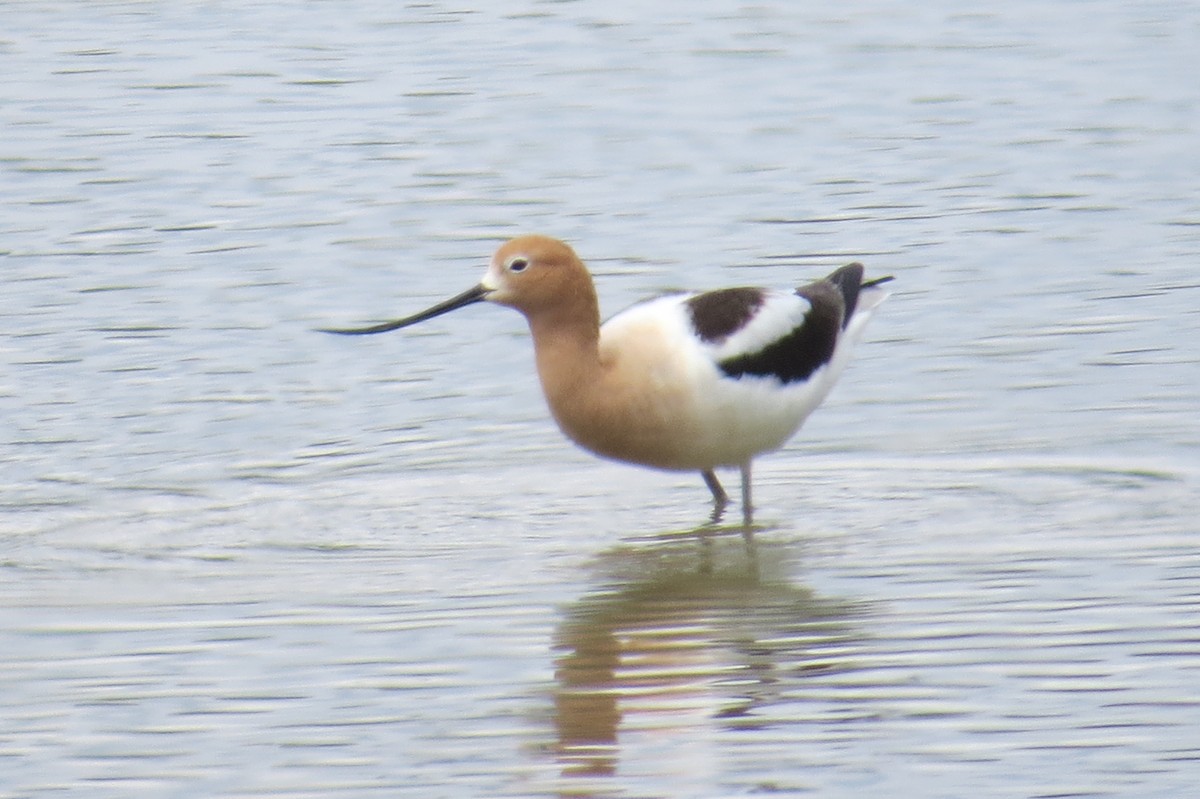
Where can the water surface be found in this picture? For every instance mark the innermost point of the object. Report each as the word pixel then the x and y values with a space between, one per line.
pixel 244 559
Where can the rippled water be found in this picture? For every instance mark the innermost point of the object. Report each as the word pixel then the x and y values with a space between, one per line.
pixel 240 558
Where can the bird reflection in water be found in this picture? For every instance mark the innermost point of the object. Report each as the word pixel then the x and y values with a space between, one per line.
pixel 669 642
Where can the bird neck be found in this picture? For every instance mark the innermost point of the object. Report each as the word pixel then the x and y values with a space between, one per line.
pixel 566 342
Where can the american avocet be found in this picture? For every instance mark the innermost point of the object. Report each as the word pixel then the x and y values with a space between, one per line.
pixel 687 381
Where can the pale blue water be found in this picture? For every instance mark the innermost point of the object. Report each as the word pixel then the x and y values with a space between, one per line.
pixel 240 558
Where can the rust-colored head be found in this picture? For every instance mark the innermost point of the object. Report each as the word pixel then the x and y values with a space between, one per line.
pixel 539 275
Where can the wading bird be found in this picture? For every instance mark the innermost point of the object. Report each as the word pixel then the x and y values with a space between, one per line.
pixel 687 381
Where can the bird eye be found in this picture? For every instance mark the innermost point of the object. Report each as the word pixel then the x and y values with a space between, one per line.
pixel 518 264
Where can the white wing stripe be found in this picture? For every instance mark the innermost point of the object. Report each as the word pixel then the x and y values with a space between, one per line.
pixel 779 315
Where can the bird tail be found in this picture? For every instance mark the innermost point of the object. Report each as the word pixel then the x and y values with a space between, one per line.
pixel 849 281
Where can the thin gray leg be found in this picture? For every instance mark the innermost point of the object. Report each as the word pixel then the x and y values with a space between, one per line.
pixel 747 522
pixel 720 498
pixel 747 507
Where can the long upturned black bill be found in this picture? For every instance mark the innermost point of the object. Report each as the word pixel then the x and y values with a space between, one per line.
pixel 468 297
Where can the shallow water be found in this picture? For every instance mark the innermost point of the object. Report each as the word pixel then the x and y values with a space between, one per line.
pixel 243 559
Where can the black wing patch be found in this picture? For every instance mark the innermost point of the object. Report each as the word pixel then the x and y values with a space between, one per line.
pixel 717 315
pixel 806 348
